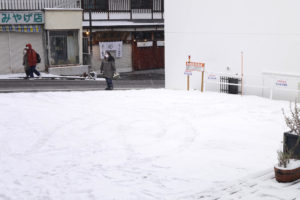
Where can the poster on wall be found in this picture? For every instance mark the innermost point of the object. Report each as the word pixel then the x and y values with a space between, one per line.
pixel 111 46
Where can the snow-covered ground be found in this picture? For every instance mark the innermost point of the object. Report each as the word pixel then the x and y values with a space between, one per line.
pixel 138 145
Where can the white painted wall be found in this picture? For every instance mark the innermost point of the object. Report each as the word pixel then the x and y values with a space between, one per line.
pixel 216 31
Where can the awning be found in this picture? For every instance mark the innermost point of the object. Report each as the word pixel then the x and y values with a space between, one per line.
pixel 21 28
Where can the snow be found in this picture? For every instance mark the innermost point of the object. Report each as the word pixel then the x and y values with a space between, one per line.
pixel 293 164
pixel 139 144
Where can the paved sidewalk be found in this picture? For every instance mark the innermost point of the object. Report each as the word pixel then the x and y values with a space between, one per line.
pixel 132 80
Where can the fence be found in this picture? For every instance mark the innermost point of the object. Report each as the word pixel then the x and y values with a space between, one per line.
pixel 38 4
pixel 270 85
pixel 230 85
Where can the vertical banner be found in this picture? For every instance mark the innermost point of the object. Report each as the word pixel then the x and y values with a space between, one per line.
pixel 111 46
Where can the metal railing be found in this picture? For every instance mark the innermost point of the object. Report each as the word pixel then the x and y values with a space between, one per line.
pixel 120 5
pixel 38 4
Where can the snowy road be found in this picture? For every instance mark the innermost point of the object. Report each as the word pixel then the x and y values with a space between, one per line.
pixel 146 144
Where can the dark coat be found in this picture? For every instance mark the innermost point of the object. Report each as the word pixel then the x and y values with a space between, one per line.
pixel 108 68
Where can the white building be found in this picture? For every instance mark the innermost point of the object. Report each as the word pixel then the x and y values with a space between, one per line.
pixel 217 31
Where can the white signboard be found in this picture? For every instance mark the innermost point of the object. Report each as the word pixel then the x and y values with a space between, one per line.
pixel 21 17
pixel 160 43
pixel 282 83
pixel 111 46
pixel 189 73
pixel 145 44
pixel 212 77
pixel 195 66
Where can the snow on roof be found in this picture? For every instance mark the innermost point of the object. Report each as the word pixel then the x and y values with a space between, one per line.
pixel 63 9
pixel 122 23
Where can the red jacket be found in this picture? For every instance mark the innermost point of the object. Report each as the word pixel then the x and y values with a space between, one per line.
pixel 31 56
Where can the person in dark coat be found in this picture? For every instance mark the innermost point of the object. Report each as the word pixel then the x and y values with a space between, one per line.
pixel 25 63
pixel 30 61
pixel 108 69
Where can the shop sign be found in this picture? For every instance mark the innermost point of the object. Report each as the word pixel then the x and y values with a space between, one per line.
pixel 188 73
pixel 282 83
pixel 111 46
pixel 212 77
pixel 145 44
pixel 21 17
pixel 195 66
pixel 160 43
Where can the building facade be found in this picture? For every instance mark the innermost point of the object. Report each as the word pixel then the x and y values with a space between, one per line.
pixel 254 41
pixel 53 27
pixel 132 30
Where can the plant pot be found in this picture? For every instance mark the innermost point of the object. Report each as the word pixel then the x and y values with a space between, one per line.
pixel 287 175
pixel 289 143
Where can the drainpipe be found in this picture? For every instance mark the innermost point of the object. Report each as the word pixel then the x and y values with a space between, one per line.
pixel 91 33
pixel 91 38
pixel 10 53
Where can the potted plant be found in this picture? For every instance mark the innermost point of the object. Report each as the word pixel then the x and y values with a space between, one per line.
pixel 288 167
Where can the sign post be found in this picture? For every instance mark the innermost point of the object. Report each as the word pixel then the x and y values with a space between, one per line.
pixel 188 77
pixel 194 66
pixel 202 81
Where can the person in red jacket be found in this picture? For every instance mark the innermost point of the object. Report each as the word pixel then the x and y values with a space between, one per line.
pixel 31 60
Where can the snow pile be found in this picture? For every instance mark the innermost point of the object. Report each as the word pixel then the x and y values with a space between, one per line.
pixel 146 144
pixel 293 164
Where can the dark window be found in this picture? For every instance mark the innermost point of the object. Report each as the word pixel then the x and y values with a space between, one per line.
pixel 64 47
pixel 95 4
pixel 159 35
pixel 142 4
pixel 142 36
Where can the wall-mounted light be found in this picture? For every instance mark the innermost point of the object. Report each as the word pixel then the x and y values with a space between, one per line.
pixel 87 33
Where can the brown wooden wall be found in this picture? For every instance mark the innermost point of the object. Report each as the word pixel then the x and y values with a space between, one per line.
pixel 148 57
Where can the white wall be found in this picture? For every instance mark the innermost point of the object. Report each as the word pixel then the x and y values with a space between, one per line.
pixel 216 31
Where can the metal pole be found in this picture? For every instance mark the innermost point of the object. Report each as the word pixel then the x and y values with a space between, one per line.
pixel 188 82
pixel 242 72
pixel 130 9
pixel 188 77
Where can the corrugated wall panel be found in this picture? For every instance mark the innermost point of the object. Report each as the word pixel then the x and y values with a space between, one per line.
pixel 18 45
